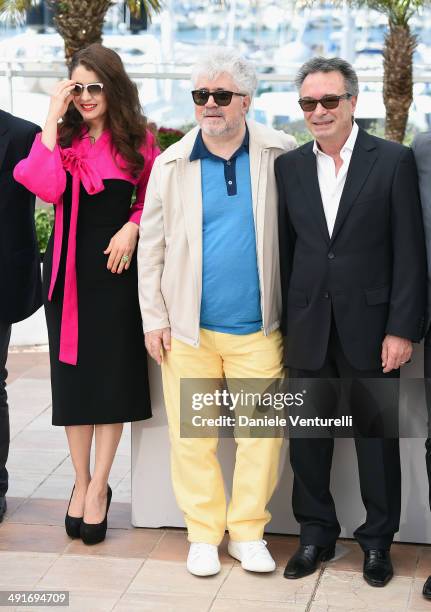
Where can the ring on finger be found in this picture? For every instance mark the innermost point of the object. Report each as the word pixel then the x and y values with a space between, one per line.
pixel 125 259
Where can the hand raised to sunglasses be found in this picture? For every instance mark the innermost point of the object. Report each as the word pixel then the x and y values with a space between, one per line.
pixel 60 100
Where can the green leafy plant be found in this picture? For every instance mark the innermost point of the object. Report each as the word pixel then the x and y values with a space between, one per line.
pixel 167 136
pixel 44 220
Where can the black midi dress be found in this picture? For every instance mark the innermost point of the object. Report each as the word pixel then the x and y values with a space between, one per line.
pixel 109 381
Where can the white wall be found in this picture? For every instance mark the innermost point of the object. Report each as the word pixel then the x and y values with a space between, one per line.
pixel 30 331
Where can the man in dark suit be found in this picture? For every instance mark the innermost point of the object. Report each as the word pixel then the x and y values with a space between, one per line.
pixel 20 287
pixel 353 271
pixel 422 151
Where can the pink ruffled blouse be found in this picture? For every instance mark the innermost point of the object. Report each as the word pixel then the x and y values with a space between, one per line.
pixel 43 173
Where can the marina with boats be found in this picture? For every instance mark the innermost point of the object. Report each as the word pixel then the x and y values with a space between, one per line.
pixel 277 35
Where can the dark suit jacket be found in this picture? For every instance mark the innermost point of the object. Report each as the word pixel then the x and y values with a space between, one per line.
pixel 371 273
pixel 20 286
pixel 421 147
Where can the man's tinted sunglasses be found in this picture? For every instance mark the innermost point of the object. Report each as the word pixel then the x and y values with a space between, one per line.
pixel 221 96
pixel 329 102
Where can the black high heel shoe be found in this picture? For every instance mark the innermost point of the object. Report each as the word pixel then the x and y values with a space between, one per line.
pixel 93 533
pixel 72 523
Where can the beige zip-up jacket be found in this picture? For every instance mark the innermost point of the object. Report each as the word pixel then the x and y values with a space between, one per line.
pixel 170 235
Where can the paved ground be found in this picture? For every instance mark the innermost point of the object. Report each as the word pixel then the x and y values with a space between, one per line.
pixel 143 569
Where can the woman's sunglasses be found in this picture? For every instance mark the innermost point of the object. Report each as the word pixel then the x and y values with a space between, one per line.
pixel 94 89
pixel 221 97
pixel 328 102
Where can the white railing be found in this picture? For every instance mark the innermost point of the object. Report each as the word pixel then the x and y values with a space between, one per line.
pixel 164 90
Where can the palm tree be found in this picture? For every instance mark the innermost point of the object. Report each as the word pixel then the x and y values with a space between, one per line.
pixel 79 22
pixel 398 50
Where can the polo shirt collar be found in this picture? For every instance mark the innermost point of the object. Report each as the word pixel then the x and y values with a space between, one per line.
pixel 200 150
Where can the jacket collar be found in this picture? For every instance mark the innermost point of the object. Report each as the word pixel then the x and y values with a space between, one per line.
pixel 348 145
pixel 363 140
pixel 363 157
pixel 259 135
pixel 362 160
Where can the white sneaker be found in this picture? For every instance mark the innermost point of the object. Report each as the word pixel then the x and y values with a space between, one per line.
pixel 254 555
pixel 203 559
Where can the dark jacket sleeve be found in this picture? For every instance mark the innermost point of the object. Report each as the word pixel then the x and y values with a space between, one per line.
pixel 408 297
pixel 30 138
pixel 286 238
pixel 20 284
pixel 422 151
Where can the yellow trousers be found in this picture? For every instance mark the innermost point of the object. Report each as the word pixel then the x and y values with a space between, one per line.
pixel 196 473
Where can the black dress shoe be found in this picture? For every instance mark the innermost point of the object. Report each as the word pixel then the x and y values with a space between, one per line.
pixel 426 591
pixel 378 568
pixel 72 523
pixel 306 560
pixel 93 533
pixel 3 507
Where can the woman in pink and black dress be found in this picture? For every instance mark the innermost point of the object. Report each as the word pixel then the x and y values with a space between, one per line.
pixel 89 166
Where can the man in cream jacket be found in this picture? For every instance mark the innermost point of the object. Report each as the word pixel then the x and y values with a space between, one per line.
pixel 209 289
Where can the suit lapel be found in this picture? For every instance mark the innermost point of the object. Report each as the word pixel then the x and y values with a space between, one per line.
pixel 363 157
pixel 307 170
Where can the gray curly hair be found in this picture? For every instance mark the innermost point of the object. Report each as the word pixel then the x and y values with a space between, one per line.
pixel 217 61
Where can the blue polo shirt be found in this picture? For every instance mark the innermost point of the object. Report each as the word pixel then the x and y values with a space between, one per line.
pixel 230 279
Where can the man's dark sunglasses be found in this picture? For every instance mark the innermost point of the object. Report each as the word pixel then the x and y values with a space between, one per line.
pixel 328 102
pixel 221 97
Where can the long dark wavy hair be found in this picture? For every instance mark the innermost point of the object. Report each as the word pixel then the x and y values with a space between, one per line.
pixel 124 117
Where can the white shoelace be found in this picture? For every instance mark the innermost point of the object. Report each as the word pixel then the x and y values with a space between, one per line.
pixel 257 548
pixel 200 548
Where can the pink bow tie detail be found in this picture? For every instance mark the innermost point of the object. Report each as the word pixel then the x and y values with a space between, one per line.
pixel 78 165
pixel 82 171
